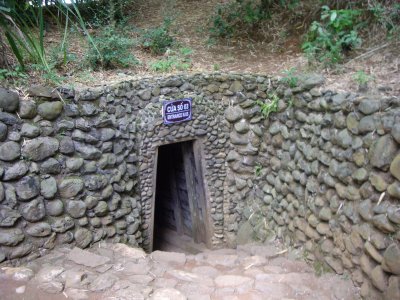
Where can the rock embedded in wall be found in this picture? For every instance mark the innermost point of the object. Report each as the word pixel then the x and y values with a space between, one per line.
pixel 50 110
pixel 9 100
pixel 10 151
pixel 40 148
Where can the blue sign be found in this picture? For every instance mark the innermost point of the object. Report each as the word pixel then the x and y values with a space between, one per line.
pixel 177 111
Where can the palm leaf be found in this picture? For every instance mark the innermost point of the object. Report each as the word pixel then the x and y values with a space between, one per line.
pixel 15 49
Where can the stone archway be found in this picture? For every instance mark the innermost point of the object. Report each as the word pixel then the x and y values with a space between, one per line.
pixel 210 133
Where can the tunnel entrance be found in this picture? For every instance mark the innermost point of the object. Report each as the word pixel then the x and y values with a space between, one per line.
pixel 180 216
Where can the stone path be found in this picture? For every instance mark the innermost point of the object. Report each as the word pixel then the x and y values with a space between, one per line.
pixel 118 272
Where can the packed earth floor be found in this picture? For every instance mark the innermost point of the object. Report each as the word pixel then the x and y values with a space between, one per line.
pixel 116 271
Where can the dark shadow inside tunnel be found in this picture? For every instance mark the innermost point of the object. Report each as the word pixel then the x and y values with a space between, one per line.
pixel 179 217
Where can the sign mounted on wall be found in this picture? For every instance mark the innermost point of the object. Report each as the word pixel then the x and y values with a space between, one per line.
pixel 177 111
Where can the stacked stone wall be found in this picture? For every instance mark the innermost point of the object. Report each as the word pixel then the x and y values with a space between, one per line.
pixel 68 171
pixel 320 172
pixel 323 174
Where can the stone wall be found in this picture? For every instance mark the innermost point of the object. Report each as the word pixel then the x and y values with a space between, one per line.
pixel 329 171
pixel 68 172
pixel 323 172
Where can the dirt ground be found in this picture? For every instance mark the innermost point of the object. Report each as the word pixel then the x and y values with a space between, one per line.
pixel 278 50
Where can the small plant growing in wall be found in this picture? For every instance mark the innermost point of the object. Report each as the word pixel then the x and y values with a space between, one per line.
pixel 320 268
pixel 258 169
pixel 269 106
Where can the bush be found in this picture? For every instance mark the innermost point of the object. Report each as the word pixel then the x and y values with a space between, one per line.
pixel 232 16
pixel 158 40
pixel 105 12
pixel 387 15
pixel 113 50
pixel 337 33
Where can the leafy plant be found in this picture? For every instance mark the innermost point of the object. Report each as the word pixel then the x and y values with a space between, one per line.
pixel 362 78
pixel 337 33
pixel 175 61
pixel 185 51
pixel 258 169
pixel 290 102
pixel 163 65
pixel 23 24
pixel 158 40
pixel 268 107
pixel 17 73
pixel 112 50
pixel 21 37
pixel 290 78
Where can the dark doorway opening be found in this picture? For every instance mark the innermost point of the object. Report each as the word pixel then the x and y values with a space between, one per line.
pixel 180 220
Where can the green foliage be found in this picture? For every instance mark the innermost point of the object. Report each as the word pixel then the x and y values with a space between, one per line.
pixel 113 50
pixel 290 77
pixel 24 28
pixel 270 106
pixel 15 74
pixel 258 169
pixel 158 40
pixel 232 16
pixel 321 268
pixel 361 77
pixel 290 102
pixel 243 16
pixel 105 12
pixel 387 15
pixel 19 22
pixel 49 76
pixel 179 61
pixel 85 76
pixel 60 56
pixel 337 33
pixel 185 51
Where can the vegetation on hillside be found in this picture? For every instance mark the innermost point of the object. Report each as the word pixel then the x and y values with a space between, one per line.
pixel 331 32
